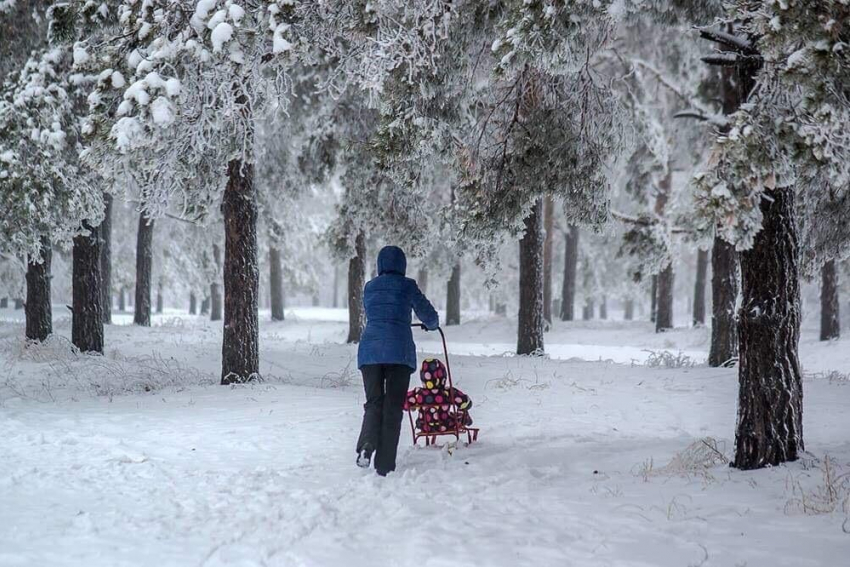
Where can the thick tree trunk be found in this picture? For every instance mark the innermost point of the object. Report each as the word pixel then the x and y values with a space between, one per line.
pixel 276 284
pixel 106 258
pixel 356 280
pixel 87 318
pixel 144 267
pixel 19 303
pixel 159 302
pixel 4 302
pixel 724 296
pixel 629 310
pixel 240 359
pixel 603 308
pixel 122 300
pixel 664 303
pixel 530 317
pixel 422 280
pixel 568 291
pixel 193 304
pixel 699 288
pixel 770 395
pixel 548 251
pixel 215 286
pixel 830 326
pixel 453 297
pixel 653 299
pixel 39 315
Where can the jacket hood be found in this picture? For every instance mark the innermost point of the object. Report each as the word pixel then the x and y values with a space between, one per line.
pixel 391 260
pixel 433 374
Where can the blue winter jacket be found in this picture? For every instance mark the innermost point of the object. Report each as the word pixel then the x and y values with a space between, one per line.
pixel 388 299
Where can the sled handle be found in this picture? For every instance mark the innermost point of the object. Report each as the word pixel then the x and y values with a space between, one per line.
pixel 445 353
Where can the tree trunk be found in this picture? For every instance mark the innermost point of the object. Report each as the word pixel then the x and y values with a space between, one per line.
pixel 724 296
pixel 215 289
pixel 4 302
pixel 453 297
pixel 205 306
pixel 603 308
pixel 144 267
pixel 87 317
pixel 630 310
pixel 699 288
pixel 356 280
pixel 122 300
pixel 568 291
pixel 422 280
pixel 530 317
pixel 830 326
pixel 316 300
pixel 336 286
pixel 159 297
pixel 653 301
pixel 39 315
pixel 664 303
pixel 548 249
pixel 240 359
pixel 19 303
pixel 587 310
pixel 193 304
pixel 276 284
pixel 770 395
pixel 106 258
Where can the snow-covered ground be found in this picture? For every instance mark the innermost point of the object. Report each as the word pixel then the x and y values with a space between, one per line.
pixel 590 458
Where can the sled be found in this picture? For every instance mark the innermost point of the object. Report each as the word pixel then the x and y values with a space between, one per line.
pixel 459 429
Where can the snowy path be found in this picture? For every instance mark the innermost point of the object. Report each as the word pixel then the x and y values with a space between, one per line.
pixel 264 474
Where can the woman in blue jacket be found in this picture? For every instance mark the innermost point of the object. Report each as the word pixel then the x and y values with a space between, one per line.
pixel 387 356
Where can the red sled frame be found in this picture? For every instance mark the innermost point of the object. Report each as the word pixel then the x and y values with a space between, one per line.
pixel 459 429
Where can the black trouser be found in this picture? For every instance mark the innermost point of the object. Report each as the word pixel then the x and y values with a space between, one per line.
pixel 386 386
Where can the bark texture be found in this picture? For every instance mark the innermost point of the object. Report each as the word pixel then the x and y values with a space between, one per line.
pixel 724 296
pixel 699 288
pixel 830 326
pixel 664 302
pixel 87 317
pixel 770 396
pixel 106 258
pixel 144 267
pixel 276 284
pixel 548 251
pixel 653 299
pixel 568 290
pixel 453 297
pixel 39 316
pixel 356 281
pixel 215 286
pixel 240 347
pixel 159 301
pixel 530 318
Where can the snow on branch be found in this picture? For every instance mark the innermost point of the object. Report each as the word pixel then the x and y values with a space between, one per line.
pixel 739 44
pixel 731 59
pixel 714 119
pixel 644 221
